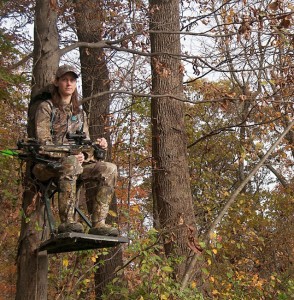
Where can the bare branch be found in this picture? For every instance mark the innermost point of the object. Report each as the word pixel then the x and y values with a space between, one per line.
pixel 21 62
pixel 232 199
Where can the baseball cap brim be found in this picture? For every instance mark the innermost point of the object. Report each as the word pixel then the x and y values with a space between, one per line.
pixel 66 69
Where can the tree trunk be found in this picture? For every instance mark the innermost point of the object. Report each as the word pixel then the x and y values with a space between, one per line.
pixel 46 43
pixel 33 266
pixel 95 78
pixel 95 74
pixel 171 180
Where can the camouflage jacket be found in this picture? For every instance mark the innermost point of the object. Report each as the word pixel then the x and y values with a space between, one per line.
pixel 53 124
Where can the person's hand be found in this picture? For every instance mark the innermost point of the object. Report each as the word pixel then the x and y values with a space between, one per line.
pixel 80 157
pixel 102 143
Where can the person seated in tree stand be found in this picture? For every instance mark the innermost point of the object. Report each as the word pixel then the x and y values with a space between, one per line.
pixel 54 119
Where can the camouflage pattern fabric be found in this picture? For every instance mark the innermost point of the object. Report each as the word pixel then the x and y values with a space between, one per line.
pixel 53 127
pixel 99 180
pixel 98 177
pixel 65 69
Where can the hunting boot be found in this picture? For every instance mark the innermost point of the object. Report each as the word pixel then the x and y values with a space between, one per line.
pixel 66 205
pixel 100 210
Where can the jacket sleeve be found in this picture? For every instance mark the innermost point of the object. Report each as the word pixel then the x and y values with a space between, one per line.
pixel 43 123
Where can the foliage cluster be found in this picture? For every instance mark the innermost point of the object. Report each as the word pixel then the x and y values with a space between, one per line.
pixel 148 274
pixel 12 128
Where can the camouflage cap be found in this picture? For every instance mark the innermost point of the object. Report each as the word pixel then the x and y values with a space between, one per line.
pixel 66 69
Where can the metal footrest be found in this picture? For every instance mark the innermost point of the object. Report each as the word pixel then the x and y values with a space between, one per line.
pixel 73 241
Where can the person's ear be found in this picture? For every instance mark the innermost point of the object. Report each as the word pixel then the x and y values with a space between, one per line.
pixel 55 82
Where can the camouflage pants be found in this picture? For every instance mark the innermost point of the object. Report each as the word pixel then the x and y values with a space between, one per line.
pixel 98 179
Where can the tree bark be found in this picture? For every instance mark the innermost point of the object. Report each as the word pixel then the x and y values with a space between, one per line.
pixel 95 79
pixel 95 74
pixel 33 266
pixel 46 42
pixel 171 179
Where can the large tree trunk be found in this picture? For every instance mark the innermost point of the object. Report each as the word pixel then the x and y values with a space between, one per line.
pixel 95 74
pixel 32 265
pixel 171 180
pixel 46 42
pixel 95 78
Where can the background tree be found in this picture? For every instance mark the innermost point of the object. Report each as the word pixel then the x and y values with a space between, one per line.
pixel 171 181
pixel 244 106
pixel 89 18
pixel 32 265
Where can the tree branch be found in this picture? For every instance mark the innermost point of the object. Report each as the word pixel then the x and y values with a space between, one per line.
pixel 279 176
pixel 148 95
pixel 229 128
pixel 232 199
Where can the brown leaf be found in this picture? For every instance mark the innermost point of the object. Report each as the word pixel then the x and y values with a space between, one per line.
pixel 285 23
pixel 224 105
pixel 243 97
pixel 274 5
pixel 192 240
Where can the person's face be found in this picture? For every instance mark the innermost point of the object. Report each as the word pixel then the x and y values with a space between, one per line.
pixel 66 84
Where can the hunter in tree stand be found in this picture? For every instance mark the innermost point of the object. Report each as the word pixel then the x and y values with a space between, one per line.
pixel 57 114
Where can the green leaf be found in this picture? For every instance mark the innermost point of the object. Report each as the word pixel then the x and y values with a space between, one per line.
pixel 205 271
pixel 167 269
pixel 202 245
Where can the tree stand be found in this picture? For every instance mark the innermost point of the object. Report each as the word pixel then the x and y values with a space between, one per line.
pixel 70 241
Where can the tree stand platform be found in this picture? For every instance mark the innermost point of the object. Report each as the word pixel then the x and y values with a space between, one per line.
pixel 73 241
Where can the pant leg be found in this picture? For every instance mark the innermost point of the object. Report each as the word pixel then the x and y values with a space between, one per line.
pixel 99 181
pixel 66 175
pixel 104 173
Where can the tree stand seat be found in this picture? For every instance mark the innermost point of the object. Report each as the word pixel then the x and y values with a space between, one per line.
pixel 70 241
